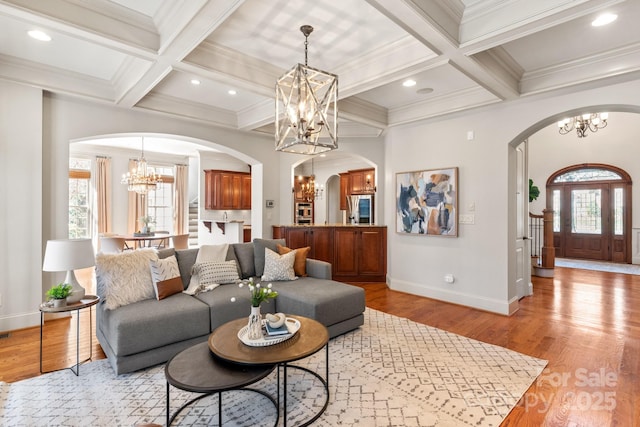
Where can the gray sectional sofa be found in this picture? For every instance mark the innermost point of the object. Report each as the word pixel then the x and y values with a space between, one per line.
pixel 151 331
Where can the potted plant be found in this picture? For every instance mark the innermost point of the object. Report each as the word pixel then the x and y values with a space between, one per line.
pixel 534 191
pixel 59 294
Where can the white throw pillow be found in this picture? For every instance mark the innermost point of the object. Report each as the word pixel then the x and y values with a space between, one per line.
pixel 125 278
pixel 217 272
pixel 165 274
pixel 278 267
pixel 206 253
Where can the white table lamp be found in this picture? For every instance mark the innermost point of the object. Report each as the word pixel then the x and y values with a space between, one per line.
pixel 69 255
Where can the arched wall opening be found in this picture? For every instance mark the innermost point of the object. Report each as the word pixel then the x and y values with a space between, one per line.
pixel 165 148
pixel 530 135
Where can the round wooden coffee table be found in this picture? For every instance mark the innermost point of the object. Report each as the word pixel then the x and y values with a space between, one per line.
pixel 197 370
pixel 309 339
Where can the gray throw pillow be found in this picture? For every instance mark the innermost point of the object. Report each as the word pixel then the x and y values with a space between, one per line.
pixel 258 252
pixel 245 258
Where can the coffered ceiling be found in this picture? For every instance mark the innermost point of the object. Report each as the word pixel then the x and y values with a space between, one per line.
pixel 462 54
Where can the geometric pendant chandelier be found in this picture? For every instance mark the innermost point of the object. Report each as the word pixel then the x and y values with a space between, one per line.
pixel 306 108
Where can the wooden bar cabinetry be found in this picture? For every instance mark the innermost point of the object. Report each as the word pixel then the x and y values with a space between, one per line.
pixel 356 253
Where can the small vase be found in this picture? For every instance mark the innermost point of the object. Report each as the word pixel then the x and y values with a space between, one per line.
pixel 62 302
pixel 254 328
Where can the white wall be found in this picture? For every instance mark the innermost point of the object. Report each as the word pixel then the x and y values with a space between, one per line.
pixel 21 213
pixel 482 258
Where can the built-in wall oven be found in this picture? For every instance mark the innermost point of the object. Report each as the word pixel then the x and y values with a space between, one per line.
pixel 304 213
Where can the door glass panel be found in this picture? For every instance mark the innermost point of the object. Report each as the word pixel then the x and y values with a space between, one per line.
pixel 618 209
pixel 586 217
pixel 556 211
pixel 583 175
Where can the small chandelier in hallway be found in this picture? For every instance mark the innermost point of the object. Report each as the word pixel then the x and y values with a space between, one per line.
pixel 582 124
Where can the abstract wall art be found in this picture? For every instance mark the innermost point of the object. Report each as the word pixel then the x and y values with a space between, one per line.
pixel 427 202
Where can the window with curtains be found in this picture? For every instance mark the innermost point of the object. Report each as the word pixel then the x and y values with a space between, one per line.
pixel 79 198
pixel 160 201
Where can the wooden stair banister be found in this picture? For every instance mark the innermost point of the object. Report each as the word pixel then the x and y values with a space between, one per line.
pixel 542 249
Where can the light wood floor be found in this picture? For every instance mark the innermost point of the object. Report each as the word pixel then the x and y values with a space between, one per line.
pixel 585 323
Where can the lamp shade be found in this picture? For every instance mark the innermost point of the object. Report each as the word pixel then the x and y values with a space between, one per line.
pixel 68 254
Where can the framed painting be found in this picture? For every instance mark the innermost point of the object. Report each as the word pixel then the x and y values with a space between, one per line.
pixel 427 202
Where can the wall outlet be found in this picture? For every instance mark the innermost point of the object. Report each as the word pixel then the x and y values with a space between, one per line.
pixel 449 278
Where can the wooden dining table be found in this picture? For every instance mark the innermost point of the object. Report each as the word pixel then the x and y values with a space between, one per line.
pixel 144 241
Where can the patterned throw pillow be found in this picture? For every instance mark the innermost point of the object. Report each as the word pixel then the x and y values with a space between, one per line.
pixel 166 277
pixel 211 273
pixel 278 267
pixel 300 264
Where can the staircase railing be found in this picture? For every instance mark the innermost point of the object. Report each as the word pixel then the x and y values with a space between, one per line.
pixel 543 253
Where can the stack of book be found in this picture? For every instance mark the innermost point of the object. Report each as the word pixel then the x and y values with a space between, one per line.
pixel 272 333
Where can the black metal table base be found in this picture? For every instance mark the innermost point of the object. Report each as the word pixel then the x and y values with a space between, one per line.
pixel 171 418
pixel 78 361
pixel 324 381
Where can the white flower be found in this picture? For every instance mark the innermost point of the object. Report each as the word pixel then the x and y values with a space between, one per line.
pixel 233 299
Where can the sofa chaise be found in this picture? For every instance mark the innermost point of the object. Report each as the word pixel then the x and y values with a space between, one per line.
pixel 150 331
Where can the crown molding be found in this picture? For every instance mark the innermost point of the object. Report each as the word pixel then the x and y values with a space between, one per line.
pixel 440 106
pixel 55 79
pixel 608 64
pixel 190 110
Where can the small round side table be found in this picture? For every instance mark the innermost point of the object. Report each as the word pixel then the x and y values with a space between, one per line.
pixel 87 302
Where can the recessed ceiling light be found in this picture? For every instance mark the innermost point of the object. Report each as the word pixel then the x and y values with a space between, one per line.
pixel 39 35
pixel 195 82
pixel 232 92
pixel 424 90
pixel 409 83
pixel 604 19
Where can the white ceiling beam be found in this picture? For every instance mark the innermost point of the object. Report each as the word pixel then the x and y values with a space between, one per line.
pixel 195 28
pixel 415 20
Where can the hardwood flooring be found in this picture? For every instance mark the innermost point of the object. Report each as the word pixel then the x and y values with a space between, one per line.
pixel 585 323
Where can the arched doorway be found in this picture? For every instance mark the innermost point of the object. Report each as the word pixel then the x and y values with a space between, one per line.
pixel 592 212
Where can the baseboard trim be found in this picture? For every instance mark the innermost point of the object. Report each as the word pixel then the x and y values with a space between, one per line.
pixel 19 321
pixel 474 301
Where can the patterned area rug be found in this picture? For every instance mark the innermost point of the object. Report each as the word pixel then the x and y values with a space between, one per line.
pixel 390 372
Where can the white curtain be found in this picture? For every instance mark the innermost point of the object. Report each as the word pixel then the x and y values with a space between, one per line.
pixel 181 184
pixel 103 194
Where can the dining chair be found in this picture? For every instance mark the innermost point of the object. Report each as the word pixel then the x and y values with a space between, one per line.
pixel 180 241
pixel 111 245
pixel 159 243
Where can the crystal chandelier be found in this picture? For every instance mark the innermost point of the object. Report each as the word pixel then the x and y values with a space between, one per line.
pixel 306 108
pixel 141 178
pixel 583 123
pixel 311 190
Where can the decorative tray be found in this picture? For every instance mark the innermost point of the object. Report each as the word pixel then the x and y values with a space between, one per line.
pixel 293 325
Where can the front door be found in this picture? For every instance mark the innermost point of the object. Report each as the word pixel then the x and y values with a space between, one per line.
pixel 592 212
pixel 586 231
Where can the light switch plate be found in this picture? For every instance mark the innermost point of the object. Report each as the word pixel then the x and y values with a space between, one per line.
pixel 466 219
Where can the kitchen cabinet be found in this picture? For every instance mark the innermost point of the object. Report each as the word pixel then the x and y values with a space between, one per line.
pixel 344 190
pixel 361 181
pixel 356 253
pixel 361 254
pixel 320 239
pixel 227 190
